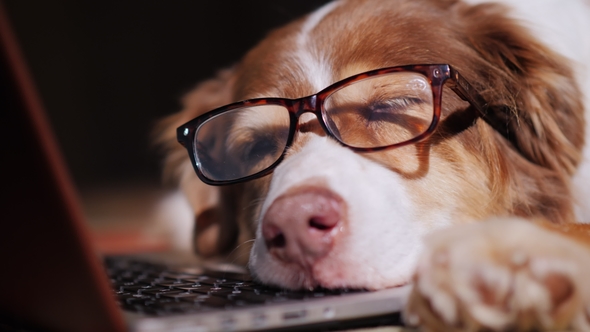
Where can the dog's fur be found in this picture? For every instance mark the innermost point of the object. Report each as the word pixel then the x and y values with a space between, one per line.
pixel 493 273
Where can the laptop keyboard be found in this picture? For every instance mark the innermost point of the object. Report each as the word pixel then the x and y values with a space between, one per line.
pixel 154 289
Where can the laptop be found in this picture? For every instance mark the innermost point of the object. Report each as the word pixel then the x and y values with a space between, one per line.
pixel 53 279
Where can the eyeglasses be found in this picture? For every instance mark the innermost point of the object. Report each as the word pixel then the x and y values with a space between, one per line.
pixel 376 110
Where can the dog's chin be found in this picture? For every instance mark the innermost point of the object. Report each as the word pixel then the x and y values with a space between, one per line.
pixel 326 273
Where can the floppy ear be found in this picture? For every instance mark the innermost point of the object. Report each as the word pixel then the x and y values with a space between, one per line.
pixel 541 103
pixel 533 93
pixel 215 229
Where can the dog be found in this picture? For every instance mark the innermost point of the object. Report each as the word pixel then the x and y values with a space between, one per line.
pixel 376 143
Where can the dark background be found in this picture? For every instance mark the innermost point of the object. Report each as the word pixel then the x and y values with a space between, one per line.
pixel 108 70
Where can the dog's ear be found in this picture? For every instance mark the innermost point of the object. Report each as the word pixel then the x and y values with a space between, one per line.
pixel 214 230
pixel 534 88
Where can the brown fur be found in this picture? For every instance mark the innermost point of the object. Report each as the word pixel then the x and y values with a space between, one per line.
pixel 465 164
pixel 529 87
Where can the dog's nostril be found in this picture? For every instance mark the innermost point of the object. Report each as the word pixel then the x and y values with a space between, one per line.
pixel 278 241
pixel 320 224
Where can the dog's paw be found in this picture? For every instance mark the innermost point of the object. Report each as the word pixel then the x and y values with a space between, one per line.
pixel 501 275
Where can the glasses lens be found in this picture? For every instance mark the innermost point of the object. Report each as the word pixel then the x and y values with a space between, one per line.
pixel 381 110
pixel 241 142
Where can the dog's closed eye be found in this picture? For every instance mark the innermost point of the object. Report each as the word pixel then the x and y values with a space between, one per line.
pixel 256 144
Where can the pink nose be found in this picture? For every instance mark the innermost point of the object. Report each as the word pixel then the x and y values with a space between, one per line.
pixel 301 226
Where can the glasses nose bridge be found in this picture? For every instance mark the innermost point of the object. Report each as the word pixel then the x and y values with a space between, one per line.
pixel 307 104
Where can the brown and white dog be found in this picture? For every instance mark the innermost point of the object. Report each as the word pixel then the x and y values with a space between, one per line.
pixel 484 266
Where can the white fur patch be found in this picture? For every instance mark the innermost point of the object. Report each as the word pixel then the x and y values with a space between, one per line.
pixel 310 58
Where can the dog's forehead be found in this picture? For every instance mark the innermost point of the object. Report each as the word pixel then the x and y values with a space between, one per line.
pixel 289 63
pixel 338 40
pixel 310 58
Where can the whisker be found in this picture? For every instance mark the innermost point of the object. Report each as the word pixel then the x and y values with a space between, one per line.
pixel 238 247
pixel 240 256
pixel 256 201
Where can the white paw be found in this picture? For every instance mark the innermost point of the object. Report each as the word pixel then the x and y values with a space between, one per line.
pixel 506 274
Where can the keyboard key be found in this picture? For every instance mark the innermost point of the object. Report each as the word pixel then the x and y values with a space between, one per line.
pixel 173 284
pixel 194 287
pixel 207 280
pixel 182 295
pixel 232 283
pixel 217 291
pixel 160 292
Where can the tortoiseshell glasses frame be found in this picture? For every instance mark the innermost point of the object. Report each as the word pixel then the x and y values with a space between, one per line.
pixel 436 74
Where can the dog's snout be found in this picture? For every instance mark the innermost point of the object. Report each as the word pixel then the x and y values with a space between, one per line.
pixel 302 225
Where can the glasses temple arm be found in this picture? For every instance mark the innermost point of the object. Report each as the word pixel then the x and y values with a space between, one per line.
pixel 488 113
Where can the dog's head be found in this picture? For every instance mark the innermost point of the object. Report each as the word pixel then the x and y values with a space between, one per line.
pixel 334 217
